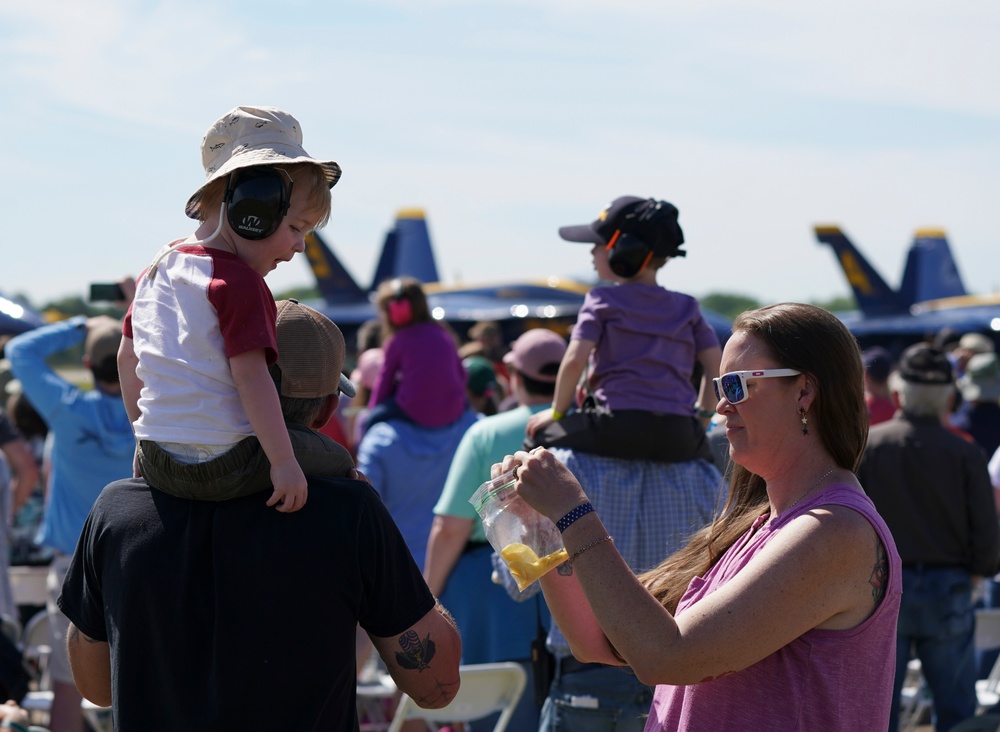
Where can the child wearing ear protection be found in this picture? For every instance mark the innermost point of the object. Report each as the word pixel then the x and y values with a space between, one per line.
pixel 421 378
pixel 200 337
pixel 638 343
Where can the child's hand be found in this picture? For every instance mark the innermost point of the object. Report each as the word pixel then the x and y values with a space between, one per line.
pixel 290 487
pixel 539 421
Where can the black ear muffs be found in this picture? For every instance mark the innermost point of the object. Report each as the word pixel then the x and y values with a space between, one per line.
pixel 628 254
pixel 257 200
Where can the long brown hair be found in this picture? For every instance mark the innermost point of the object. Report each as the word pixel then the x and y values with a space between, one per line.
pixel 811 340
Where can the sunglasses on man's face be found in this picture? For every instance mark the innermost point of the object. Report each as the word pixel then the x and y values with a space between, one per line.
pixel 733 386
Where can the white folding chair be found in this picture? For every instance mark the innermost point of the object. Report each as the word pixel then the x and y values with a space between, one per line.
pixel 36 649
pixel 375 695
pixel 915 698
pixel 486 688
pixel 988 638
pixel 987 628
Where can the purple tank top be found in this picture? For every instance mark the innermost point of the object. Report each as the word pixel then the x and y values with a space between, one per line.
pixel 827 680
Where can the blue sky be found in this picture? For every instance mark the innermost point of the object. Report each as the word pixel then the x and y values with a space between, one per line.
pixel 505 120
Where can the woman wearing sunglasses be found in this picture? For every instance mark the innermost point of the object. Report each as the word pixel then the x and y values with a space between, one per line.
pixel 780 615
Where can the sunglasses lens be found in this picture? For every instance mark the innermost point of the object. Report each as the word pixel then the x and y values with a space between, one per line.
pixel 732 387
pixel 715 385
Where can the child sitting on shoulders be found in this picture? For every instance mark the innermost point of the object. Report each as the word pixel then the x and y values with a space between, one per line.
pixel 200 335
pixel 422 378
pixel 638 343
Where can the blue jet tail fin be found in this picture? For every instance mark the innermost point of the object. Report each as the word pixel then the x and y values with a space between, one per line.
pixel 407 250
pixel 335 284
pixel 873 296
pixel 931 272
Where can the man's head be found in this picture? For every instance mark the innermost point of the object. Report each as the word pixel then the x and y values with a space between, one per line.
pixel 481 377
pixel 100 348
pixel 878 364
pixel 366 371
pixel 981 380
pixel 637 232
pixel 535 358
pixel 924 382
pixel 308 373
pixel 969 345
pixel 253 158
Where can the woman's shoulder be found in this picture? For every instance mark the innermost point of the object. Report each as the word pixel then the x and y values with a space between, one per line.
pixel 842 522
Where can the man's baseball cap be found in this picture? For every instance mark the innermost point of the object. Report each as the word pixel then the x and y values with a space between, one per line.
pixel 655 222
pixel 310 354
pixel 923 364
pixel 249 136
pixel 480 376
pixel 976 342
pixel 981 380
pixel 102 341
pixel 537 354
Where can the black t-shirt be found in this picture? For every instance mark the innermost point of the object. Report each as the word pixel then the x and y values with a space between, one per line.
pixel 233 616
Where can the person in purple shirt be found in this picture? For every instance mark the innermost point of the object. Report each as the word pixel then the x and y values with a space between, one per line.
pixel 639 344
pixel 422 379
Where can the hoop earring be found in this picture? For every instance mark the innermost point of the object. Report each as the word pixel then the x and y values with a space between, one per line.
pixel 805 421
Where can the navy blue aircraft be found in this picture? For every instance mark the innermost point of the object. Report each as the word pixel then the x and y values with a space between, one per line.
pixel 16 318
pixel 930 298
pixel 551 302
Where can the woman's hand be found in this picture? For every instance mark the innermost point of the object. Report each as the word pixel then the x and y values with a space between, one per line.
pixel 543 482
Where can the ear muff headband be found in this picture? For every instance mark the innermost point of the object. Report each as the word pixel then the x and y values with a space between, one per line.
pixel 627 254
pixel 257 200
pixel 399 307
pixel 400 312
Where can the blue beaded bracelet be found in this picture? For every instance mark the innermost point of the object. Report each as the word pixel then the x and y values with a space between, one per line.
pixel 579 512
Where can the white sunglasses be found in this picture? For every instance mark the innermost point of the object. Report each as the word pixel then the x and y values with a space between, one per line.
pixel 733 386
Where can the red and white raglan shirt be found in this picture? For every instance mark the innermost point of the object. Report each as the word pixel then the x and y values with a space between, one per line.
pixel 201 308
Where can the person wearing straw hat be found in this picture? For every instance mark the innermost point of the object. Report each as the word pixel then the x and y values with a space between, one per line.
pixel 200 334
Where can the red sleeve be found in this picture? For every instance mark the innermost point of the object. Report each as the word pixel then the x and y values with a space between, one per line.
pixel 127 322
pixel 246 309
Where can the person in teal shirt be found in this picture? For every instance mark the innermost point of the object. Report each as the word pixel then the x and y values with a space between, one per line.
pixel 459 559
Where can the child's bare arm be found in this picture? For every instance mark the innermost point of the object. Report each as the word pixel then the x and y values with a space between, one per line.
pixel 573 365
pixel 131 384
pixel 710 360
pixel 260 401
pixel 131 387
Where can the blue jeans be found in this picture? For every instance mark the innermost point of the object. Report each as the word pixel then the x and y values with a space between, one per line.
pixel 600 700
pixel 937 624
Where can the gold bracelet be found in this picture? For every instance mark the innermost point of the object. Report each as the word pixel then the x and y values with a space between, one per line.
pixel 591 545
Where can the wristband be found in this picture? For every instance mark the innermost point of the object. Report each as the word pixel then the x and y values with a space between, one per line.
pixel 705 413
pixel 579 512
pixel 557 415
pixel 11 724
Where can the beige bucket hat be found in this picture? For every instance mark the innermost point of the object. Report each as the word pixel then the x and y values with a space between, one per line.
pixel 248 136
